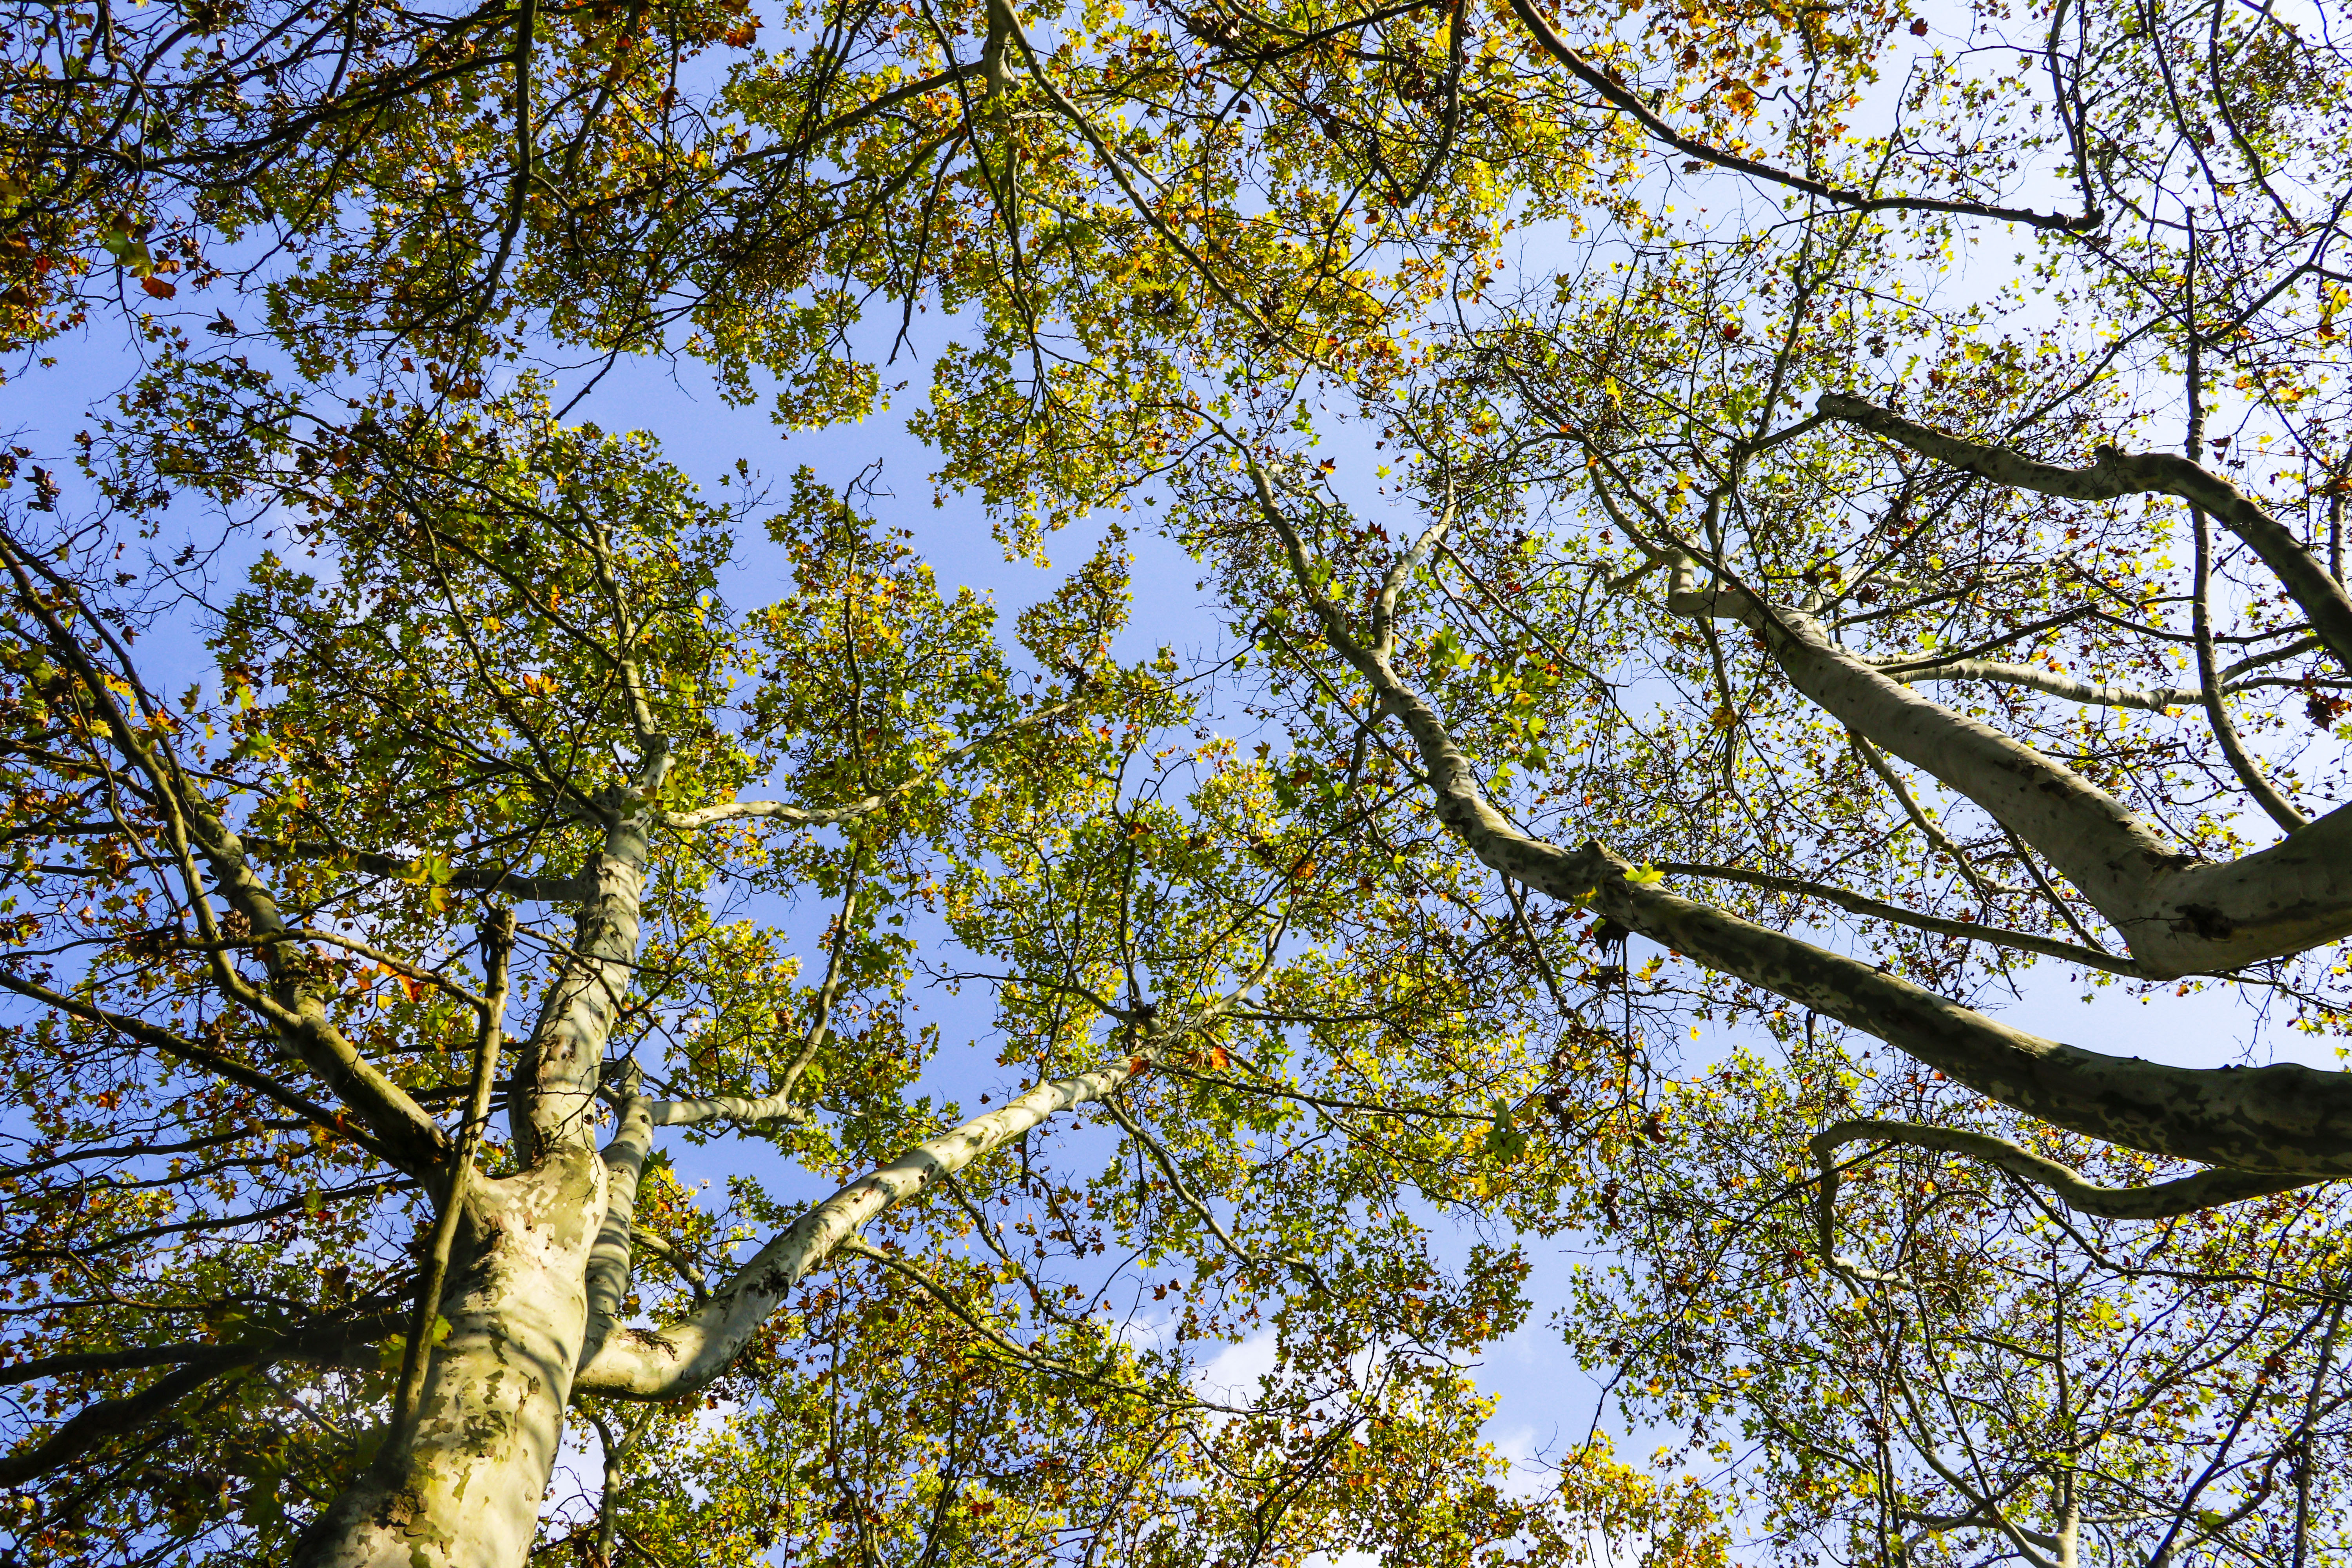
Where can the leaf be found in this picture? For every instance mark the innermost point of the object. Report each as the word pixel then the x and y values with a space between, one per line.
pixel 1644 875
pixel 158 288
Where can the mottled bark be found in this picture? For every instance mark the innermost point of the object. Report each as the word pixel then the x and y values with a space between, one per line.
pixel 2178 914
pixel 2283 1121
pixel 467 1491
pixel 464 1490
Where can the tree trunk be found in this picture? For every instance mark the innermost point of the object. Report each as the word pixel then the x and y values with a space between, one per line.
pixel 466 1491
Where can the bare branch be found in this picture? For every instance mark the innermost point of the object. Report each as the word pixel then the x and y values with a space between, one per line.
pixel 1876 908
pixel 2162 1200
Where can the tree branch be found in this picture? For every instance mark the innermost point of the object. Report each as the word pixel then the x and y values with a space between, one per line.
pixel 822 817
pixel 471 879
pixel 211 1061
pixel 2284 1119
pixel 2112 474
pixel 1875 909
pixel 2208 687
pixel 2162 1200
pixel 416 1354
pixel 2179 915
pixel 1626 101
pixel 679 1357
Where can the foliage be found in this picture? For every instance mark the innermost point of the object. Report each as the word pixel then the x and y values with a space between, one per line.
pixel 1665 474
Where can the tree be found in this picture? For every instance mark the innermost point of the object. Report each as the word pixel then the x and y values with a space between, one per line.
pixel 1783 435
pixel 490 770
pixel 1700 508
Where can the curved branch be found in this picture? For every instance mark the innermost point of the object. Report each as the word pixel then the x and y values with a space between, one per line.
pixel 2050 683
pixel 679 1357
pixel 611 1255
pixel 1626 101
pixel 777 1107
pixel 2276 807
pixel 2286 1120
pixel 197 1365
pixel 211 1061
pixel 2162 1200
pixel 94 1424
pixel 2115 474
pixel 2179 915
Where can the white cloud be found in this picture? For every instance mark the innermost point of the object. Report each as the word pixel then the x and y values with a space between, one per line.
pixel 1231 1376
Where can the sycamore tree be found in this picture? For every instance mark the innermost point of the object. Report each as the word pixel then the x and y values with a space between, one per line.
pixel 1853 503
pixel 1863 642
pixel 365 973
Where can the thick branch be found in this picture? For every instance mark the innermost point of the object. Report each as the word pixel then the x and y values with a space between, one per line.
pixel 554 1091
pixel 94 1424
pixel 2112 474
pixel 775 1107
pixel 680 1357
pixel 611 1259
pixel 2180 916
pixel 194 828
pixel 2050 683
pixel 196 1056
pixel 2284 1120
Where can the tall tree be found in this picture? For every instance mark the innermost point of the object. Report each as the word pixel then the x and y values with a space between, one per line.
pixel 1697 506
pixel 460 833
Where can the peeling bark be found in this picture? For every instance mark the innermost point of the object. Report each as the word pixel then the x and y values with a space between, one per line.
pixel 464 1490
pixel 680 1357
pixel 2179 915
pixel 2282 1120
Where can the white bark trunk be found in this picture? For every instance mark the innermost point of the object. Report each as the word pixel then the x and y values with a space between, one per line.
pixel 464 1490
pixel 468 1493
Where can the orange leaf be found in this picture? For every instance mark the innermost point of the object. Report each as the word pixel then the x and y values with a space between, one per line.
pixel 413 989
pixel 157 287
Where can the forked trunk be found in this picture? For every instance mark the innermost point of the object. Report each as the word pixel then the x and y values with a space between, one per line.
pixel 467 1489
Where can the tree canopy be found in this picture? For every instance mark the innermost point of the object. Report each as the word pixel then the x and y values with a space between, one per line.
pixel 1800 522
